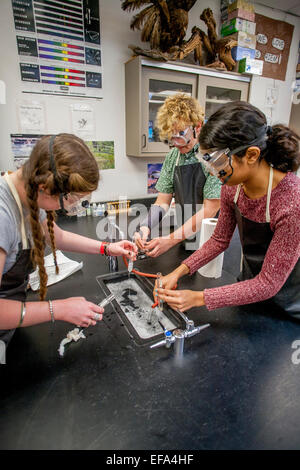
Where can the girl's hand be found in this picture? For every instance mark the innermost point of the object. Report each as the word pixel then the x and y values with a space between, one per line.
pixel 141 237
pixel 123 248
pixel 168 282
pixel 77 310
pixel 158 246
pixel 182 299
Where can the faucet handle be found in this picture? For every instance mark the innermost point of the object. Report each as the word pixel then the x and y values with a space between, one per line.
pixel 159 344
pixel 188 323
pixel 195 330
pixel 169 339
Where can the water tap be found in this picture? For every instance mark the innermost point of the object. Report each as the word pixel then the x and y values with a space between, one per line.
pixel 178 335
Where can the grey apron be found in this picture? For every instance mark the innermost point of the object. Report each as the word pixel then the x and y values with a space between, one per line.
pixel 255 240
pixel 14 282
pixel 189 181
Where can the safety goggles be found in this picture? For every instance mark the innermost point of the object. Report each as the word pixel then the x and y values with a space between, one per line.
pixel 218 162
pixel 181 139
pixel 73 202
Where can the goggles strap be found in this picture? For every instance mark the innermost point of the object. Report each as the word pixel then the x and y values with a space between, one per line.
pixel 229 176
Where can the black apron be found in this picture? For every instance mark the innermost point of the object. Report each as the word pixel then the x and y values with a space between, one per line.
pixel 255 240
pixel 14 282
pixel 189 181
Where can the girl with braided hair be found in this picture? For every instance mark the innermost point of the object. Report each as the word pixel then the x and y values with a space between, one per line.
pixel 60 172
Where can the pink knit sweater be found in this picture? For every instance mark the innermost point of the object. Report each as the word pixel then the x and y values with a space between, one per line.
pixel 283 252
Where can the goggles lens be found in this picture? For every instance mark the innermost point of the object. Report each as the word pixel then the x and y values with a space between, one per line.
pixel 73 198
pixel 216 162
pixel 182 138
pixel 75 203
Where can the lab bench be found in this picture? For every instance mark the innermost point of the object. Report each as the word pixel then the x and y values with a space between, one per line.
pixel 236 386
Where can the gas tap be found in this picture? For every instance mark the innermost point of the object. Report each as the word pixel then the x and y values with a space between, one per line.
pixel 178 335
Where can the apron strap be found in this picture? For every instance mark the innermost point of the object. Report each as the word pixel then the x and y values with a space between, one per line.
pixel 17 199
pixel 177 160
pixel 237 193
pixel 268 218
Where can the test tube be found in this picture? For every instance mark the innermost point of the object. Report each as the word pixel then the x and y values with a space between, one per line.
pixel 130 265
pixel 149 317
pixel 159 285
pixel 106 301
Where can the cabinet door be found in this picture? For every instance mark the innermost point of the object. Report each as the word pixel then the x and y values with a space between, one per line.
pixel 157 85
pixel 214 92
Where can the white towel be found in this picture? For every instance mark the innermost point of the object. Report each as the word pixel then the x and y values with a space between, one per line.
pixel 66 268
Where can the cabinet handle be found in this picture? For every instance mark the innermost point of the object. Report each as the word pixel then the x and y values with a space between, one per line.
pixel 144 141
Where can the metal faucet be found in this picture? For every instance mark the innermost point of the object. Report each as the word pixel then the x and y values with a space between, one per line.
pixel 178 336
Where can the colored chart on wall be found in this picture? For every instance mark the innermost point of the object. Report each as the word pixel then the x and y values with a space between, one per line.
pixel 59 46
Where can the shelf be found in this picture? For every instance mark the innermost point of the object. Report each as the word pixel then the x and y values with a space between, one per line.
pixel 211 100
pixel 156 101
pixel 196 69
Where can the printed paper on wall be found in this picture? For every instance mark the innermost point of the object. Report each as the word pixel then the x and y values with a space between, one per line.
pixel 32 117
pixel 83 121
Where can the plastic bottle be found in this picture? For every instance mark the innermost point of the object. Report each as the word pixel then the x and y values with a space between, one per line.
pixel 99 210
pixel 94 209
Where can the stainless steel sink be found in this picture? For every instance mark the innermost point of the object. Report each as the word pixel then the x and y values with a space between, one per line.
pixel 133 304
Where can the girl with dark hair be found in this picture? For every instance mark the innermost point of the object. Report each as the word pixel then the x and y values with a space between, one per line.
pixel 261 195
pixel 60 172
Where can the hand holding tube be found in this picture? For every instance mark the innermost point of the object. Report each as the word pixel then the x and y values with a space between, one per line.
pixel 123 248
pixel 141 237
pixel 182 299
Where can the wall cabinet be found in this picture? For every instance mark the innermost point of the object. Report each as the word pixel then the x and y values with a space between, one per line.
pixel 148 83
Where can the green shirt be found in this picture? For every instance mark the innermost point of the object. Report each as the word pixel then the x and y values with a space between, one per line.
pixel 165 183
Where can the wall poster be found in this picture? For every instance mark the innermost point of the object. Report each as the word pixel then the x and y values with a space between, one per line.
pixel 22 145
pixel 104 153
pixel 153 170
pixel 273 43
pixel 58 45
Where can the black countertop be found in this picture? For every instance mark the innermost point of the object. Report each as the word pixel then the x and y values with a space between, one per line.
pixel 236 388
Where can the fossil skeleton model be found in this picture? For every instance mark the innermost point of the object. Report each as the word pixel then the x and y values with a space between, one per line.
pixel 163 23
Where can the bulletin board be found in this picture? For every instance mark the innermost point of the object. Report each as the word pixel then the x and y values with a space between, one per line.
pixel 274 39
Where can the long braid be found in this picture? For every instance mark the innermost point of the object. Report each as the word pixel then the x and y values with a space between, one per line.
pixel 60 164
pixel 38 237
pixel 50 222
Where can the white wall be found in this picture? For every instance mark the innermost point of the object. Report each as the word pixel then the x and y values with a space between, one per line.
pixel 130 174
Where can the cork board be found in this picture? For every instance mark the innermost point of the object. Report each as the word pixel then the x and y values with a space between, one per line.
pixel 273 43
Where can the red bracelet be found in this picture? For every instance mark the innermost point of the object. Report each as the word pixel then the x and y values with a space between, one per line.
pixel 102 248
